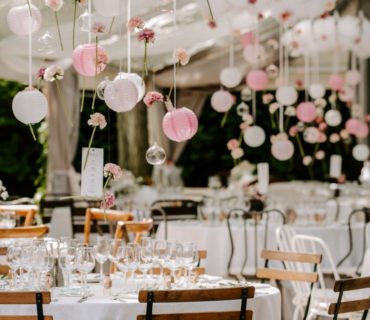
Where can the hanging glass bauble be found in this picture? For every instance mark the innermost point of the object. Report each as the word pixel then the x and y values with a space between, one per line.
pixel 47 44
pixel 136 79
pixel 242 109
pixel 120 95
pixel 155 155
pixel 83 21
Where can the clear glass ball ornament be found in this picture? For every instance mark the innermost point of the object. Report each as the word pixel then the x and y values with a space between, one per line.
pixel 155 155
pixel 47 44
pixel 83 21
pixel 246 94
pixel 101 87
pixel 242 109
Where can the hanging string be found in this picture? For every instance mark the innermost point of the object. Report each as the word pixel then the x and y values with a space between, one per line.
pixel 128 37
pixel 286 62
pixel 89 20
pixel 281 118
pixel 30 51
pixel 335 58
pixel 362 85
pixel 231 50
pixel 121 35
pixel 175 45
pixel 306 75
pixel 257 45
pixel 281 66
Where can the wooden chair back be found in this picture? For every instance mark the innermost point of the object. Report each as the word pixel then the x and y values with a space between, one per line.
pixel 138 228
pixel 340 306
pixel 36 298
pixel 101 215
pixel 26 213
pixel 291 275
pixel 197 295
pixel 4 269
pixel 24 232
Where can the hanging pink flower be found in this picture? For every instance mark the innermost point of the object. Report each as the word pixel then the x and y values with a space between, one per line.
pixel 102 59
pixel 334 138
pixel 307 160
pixel 147 35
pixel 237 153
pixel 135 23
pixel 98 27
pixel 232 144
pixel 267 98
pixel 54 5
pixel 293 131
pixel 320 155
pixel 323 126
pixel 212 24
pixel 97 120
pixel 108 201
pixel 112 171
pixel 152 97
pixel 181 56
pixel 40 74
pixel 244 125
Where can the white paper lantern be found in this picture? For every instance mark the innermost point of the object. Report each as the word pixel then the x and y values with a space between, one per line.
pixel 361 152
pixel 282 149
pixel 353 77
pixel 286 95
pixel 230 77
pixel 108 8
pixel 311 135
pixel 121 95
pixel 316 91
pixel 254 136
pixel 18 19
pixel 333 118
pixel 30 106
pixel 136 79
pixel 222 101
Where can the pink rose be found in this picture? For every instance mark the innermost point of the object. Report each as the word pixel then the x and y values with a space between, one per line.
pixel 152 97
pixel 112 170
pixel 232 144
pixel 108 201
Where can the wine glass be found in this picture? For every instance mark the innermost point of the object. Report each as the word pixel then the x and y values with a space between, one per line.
pixel 85 263
pixel 190 258
pixel 27 263
pixel 159 253
pixel 67 262
pixel 132 257
pixel 145 259
pixel 173 257
pixel 43 262
pixel 7 219
pixel 13 255
pixel 101 252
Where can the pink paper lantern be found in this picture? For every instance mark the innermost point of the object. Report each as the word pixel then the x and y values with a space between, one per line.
pixel 257 80
pixel 18 19
pixel 222 101
pixel 247 38
pixel 306 111
pixel 180 124
pixel 282 149
pixel 336 82
pixel 352 125
pixel 84 59
pixel 362 130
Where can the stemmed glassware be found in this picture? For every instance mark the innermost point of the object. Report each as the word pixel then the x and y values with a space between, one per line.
pixel 67 262
pixel 159 253
pixel 13 255
pixel 43 262
pixel 101 253
pixel 85 263
pixel 145 258
pixel 173 257
pixel 113 250
pixel 190 258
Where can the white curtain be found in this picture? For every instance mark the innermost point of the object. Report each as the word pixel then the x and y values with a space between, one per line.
pixel 63 137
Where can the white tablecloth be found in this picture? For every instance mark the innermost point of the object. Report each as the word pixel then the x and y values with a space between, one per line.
pixel 265 305
pixel 215 239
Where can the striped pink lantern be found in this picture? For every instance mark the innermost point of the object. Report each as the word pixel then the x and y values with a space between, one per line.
pixel 84 59
pixel 180 124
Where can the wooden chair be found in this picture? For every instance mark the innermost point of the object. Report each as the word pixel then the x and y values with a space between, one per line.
pixel 197 295
pixel 294 274
pixel 4 269
pixel 36 298
pixel 342 286
pixel 124 228
pixel 26 212
pixel 24 232
pixel 96 215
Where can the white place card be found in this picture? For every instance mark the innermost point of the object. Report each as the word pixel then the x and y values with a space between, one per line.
pixel 263 177
pixel 92 175
pixel 335 166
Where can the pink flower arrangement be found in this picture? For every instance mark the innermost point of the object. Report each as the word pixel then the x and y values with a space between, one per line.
pixel 96 120
pixel 232 144
pixel 112 171
pixel 108 201
pixel 153 97
pixel 181 56
pixel 135 23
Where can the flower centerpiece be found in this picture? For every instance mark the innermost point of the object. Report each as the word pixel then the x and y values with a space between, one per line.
pixel 3 192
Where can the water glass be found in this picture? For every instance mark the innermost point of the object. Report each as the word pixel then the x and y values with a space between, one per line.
pixel 85 263
pixel 101 253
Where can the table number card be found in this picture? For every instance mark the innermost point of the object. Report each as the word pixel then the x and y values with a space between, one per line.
pixel 92 175
pixel 263 177
pixel 335 166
